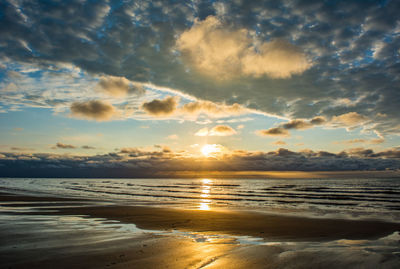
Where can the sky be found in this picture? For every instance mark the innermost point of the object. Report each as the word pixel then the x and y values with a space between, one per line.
pixel 135 88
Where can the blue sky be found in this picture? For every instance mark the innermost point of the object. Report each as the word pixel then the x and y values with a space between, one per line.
pixel 91 78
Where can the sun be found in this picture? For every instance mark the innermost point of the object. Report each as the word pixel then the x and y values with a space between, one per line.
pixel 209 150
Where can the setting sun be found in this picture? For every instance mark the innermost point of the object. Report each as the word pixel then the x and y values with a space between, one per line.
pixel 210 149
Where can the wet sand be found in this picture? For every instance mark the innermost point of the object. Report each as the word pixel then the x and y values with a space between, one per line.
pixel 271 227
pixel 168 251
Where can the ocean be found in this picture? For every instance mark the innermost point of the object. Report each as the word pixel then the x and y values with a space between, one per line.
pixel 358 198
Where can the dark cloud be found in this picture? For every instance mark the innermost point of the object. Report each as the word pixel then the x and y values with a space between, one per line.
pixel 303 124
pixel 293 124
pixel 297 124
pixel 93 110
pixel 317 120
pixel 163 107
pixel 88 147
pixel 64 146
pixel 21 149
pixel 277 131
pixel 353 48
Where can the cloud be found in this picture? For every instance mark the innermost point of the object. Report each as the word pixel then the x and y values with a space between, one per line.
pixel 361 141
pixel 21 149
pixel 276 131
pixel 218 130
pixel 212 109
pixel 118 86
pixel 93 110
pixel 297 124
pixel 173 137
pixel 216 50
pixel 202 132
pixel 279 143
pixel 88 147
pixel 169 107
pixel 222 130
pixel 349 119
pixel 318 120
pixel 161 108
pixel 64 146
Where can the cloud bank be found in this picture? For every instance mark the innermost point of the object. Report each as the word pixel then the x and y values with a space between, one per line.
pixel 135 162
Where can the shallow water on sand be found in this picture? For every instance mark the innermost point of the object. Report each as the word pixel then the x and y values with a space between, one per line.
pixel 28 239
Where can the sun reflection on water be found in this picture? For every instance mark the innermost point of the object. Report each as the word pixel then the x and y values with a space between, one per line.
pixel 205 194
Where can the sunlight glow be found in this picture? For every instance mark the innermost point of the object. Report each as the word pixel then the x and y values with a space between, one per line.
pixel 206 181
pixel 209 150
pixel 205 194
pixel 204 206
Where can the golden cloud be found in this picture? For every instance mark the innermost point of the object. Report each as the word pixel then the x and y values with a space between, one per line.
pixel 212 109
pixel 349 119
pixel 219 130
pixel 225 53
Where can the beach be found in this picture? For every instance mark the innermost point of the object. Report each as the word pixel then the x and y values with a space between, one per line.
pixel 49 232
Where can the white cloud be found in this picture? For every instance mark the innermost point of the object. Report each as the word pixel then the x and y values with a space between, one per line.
pixel 225 53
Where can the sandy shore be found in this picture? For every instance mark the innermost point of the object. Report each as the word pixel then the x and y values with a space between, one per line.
pixel 168 251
